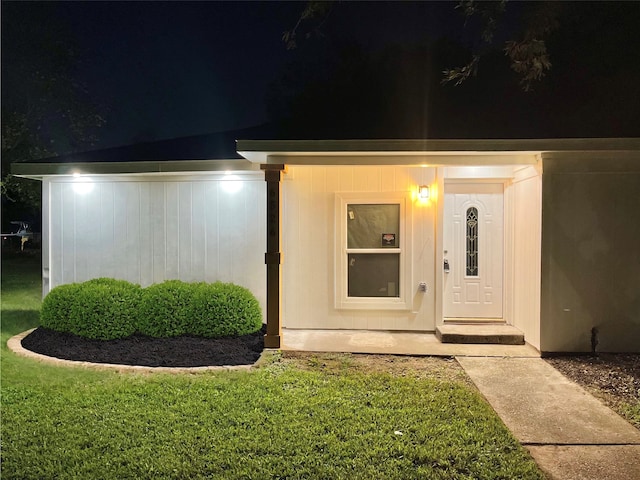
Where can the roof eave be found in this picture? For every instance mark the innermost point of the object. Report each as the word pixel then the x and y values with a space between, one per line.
pixel 40 170
pixel 437 151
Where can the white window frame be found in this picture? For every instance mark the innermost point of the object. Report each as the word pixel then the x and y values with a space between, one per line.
pixel 342 300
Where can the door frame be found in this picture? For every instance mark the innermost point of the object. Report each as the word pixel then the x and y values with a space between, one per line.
pixel 508 253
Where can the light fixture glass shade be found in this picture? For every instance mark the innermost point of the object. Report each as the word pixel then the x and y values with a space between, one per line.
pixel 423 192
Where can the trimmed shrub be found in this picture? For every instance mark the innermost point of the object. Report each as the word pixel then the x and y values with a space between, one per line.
pixel 55 312
pixel 164 309
pixel 223 309
pixel 105 309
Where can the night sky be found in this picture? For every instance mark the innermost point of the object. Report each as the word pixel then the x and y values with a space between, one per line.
pixel 164 70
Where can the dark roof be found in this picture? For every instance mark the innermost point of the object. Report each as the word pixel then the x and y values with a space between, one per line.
pixel 213 146
pixel 209 152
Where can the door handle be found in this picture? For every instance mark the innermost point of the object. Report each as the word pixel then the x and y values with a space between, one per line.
pixel 446 266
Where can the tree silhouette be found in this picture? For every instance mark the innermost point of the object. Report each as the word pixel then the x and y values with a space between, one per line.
pixel 46 111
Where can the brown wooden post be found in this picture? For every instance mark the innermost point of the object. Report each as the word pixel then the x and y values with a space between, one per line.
pixel 273 257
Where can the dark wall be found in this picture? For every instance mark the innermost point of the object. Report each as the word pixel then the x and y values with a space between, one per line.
pixel 591 256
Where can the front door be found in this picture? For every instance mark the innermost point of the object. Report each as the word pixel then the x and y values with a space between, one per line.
pixel 473 251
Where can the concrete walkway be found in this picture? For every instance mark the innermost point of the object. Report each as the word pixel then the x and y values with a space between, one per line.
pixel 569 433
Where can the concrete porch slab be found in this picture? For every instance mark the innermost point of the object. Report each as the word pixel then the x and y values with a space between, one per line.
pixel 394 343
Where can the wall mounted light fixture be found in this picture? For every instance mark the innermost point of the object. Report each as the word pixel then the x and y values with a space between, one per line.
pixel 231 183
pixel 82 184
pixel 423 192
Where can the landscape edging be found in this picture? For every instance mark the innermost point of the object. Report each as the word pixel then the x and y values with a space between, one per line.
pixel 15 345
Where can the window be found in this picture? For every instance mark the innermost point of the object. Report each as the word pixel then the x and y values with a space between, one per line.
pixel 372 251
pixel 371 227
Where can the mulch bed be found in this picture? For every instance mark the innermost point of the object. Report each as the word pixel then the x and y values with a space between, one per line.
pixel 614 373
pixel 612 377
pixel 184 351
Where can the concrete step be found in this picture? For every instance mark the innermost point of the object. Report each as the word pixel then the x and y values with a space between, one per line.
pixel 480 333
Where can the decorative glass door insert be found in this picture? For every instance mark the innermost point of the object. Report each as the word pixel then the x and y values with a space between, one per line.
pixel 472 242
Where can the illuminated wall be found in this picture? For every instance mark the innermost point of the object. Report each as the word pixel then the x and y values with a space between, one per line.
pixel 147 230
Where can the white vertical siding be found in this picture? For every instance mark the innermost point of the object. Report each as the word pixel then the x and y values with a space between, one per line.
pixel 309 229
pixel 106 249
pixel 158 240
pixel 146 230
pixel 68 227
pixel 46 203
pixel 211 231
pixel 171 230
pixel 198 252
pixel 146 236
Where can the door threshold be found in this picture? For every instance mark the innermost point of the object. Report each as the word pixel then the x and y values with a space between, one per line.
pixel 472 321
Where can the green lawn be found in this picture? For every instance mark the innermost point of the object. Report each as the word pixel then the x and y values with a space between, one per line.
pixel 278 421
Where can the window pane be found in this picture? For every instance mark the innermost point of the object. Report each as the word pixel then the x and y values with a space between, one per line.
pixel 373 225
pixel 472 242
pixel 374 275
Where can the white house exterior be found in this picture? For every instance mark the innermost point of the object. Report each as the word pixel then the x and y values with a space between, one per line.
pixel 147 229
pixel 537 234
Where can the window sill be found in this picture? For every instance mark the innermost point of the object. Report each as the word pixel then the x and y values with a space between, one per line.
pixel 372 303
